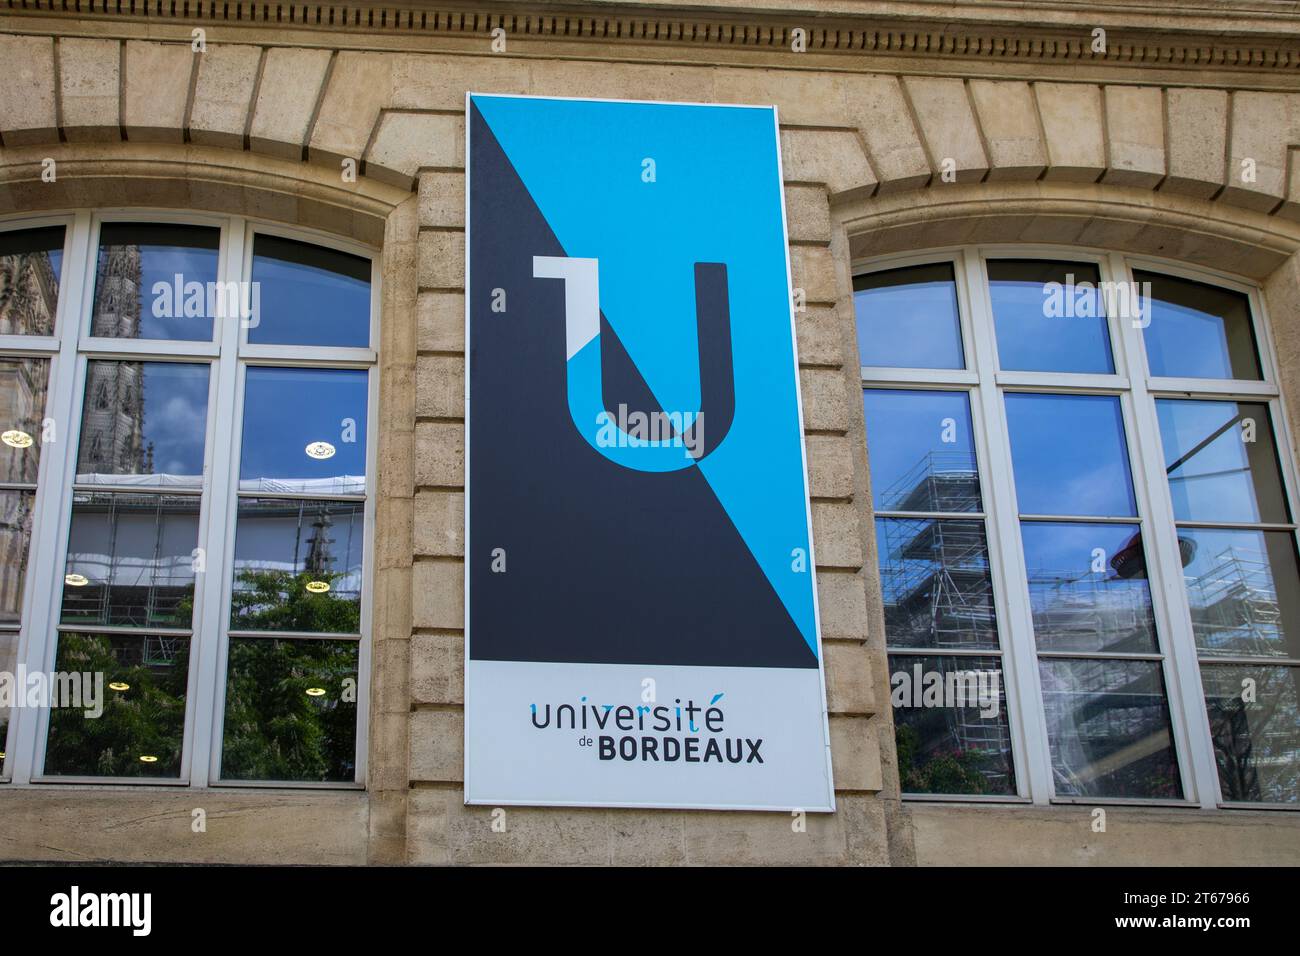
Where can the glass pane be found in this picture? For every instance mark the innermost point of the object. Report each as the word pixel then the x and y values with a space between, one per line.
pixel 15 541
pixel 23 383
pixel 156 282
pixel 1244 589
pixel 1069 455
pixel 934 575
pixel 9 664
pixel 907 318
pixel 298 565
pixel 1088 588
pixel 31 261
pixel 1221 461
pixel 1108 726
pixel 291 711
pixel 143 423
pixel 304 431
pixel 1198 330
pixel 131 560
pixel 922 450
pixel 1049 316
pixel 141 728
pixel 309 295
pixel 1255 725
pixel 950 724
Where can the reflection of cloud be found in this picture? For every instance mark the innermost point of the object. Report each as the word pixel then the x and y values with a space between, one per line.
pixel 176 423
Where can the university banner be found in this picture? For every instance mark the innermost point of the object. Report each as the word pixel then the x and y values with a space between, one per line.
pixel 641 610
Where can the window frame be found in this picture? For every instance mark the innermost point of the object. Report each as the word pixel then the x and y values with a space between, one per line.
pixel 985 382
pixel 227 357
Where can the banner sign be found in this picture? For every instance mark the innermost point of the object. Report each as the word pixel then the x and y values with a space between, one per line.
pixel 641 611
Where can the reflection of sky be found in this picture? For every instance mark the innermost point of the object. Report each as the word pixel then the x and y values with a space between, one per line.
pixel 285 410
pixel 903 426
pixel 1215 484
pixel 1069 455
pixel 1031 340
pixel 162 264
pixel 305 305
pixel 1186 342
pixel 909 326
pixel 176 416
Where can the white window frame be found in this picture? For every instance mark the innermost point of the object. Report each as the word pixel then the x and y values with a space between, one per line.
pixel 985 382
pixel 227 355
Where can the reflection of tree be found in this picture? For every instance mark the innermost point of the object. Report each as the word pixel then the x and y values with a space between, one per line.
pixel 1236 727
pixel 274 730
pixel 955 771
pixel 146 719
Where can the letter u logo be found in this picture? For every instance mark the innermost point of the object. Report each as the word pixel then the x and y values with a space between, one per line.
pixel 644 439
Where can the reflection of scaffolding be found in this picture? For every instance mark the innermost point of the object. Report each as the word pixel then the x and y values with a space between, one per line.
pixel 1077 608
pixel 937 588
pixel 162 651
pixel 938 482
pixel 1234 604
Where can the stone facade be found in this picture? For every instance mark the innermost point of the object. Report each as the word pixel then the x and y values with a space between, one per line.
pixel 1140 148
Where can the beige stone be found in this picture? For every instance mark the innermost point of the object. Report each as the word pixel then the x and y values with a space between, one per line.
pixel 830 466
pixel 808 214
pixel 440 322
pixel 156 86
pixel 442 259
pixel 952 135
pixel 877 105
pixel 439 594
pixel 440 523
pixel 437 669
pixel 1008 118
pixel 437 746
pixel 27 113
pixel 855 755
pixel 825 400
pixel 842 605
pixel 406 142
pixel 1256 174
pixel 223 93
pixel 1198 129
pixel 1072 122
pixel 442 199
pixel 286 100
pixel 831 157
pixel 440 386
pixel 1135 135
pixel 850 689
pixel 836 535
pixel 88 89
pixel 360 85
pixel 440 454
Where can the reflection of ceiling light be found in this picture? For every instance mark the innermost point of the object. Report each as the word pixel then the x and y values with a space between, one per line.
pixel 76 580
pixel 315 691
pixel 320 449
pixel 16 439
pixel 2 755
pixel 148 758
pixel 119 685
pixel 317 587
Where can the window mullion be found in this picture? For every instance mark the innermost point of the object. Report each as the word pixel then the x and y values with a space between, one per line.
pixel 1169 595
pixel 209 624
pixel 1015 626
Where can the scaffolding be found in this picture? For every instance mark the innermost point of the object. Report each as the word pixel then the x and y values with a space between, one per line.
pixel 1234 604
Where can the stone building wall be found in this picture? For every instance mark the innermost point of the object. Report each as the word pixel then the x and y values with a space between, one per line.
pixel 1140 148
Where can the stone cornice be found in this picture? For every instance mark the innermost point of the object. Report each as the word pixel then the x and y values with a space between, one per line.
pixel 1253 37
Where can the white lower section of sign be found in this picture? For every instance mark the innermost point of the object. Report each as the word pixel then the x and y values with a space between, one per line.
pixel 646 736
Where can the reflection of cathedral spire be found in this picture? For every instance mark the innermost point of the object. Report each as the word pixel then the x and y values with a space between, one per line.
pixel 319 557
pixel 113 418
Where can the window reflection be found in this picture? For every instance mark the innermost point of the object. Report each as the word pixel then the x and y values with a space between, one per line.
pixel 1221 461
pixel 298 565
pixel 304 431
pixel 1043 327
pixel 8 664
pixel 907 318
pixel 23 384
pixel 950 725
pixel 1255 726
pixel 15 542
pixel 1088 588
pixel 935 579
pixel 310 295
pixel 291 711
pixel 131 560
pixel 1069 455
pixel 31 261
pixel 155 281
pixel 1198 330
pixel 922 450
pixel 1108 726
pixel 1243 589
pixel 140 732
pixel 143 423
